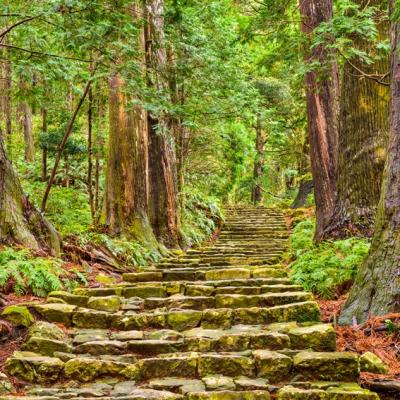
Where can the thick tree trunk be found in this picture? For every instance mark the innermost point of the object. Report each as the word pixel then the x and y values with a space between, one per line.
pixel 305 189
pixel 126 192
pixel 256 194
pixel 90 154
pixel 5 93
pixel 20 222
pixel 322 109
pixel 377 287
pixel 363 135
pixel 163 200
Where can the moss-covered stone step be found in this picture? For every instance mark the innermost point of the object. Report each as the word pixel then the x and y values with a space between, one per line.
pixel 276 367
pixel 70 315
pixel 319 337
pixel 324 391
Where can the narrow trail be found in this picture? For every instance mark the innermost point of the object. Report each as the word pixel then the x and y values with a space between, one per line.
pixel 219 323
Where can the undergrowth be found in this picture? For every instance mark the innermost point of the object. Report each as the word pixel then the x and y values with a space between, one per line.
pixel 129 252
pixel 23 273
pixel 202 216
pixel 327 267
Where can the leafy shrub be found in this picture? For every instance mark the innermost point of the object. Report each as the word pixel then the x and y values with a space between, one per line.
pixel 323 268
pixel 129 252
pixel 202 214
pixel 23 273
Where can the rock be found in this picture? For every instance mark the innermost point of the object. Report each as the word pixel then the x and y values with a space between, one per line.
pixel 34 368
pixel 217 318
pixel 76 300
pixel 229 395
pixel 244 383
pixel 91 319
pixel 235 301
pixel 142 277
pixel 18 315
pixel 199 290
pixel 218 382
pixel 46 330
pixel 172 366
pixel 124 388
pixel 369 362
pixel 174 384
pixel 99 347
pixel 331 367
pixel 272 365
pixel 108 303
pixel 300 312
pixel 96 335
pixel 269 340
pixel 150 394
pixel 184 319
pixel 228 365
pixel 154 346
pixel 5 385
pixel 46 347
pixel 87 369
pixel 129 335
pixel 144 292
pixel 321 337
pixel 61 313
pixel 231 273
pixel 164 334
pixel 292 393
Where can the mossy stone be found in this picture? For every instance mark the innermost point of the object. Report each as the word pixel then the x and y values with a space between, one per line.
pixel 183 320
pixel 108 303
pixel 69 298
pixel 34 368
pixel 230 395
pixel 6 386
pixel 46 330
pixel 321 337
pixel 18 315
pixel 317 366
pixel 61 313
pixel 272 365
pixel 46 347
pixel 369 362
pixel 172 366
pixel 217 318
pixel 228 365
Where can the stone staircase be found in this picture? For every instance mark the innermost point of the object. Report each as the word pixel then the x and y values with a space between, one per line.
pixel 221 323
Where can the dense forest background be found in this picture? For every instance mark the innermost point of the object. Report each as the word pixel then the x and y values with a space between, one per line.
pixel 126 126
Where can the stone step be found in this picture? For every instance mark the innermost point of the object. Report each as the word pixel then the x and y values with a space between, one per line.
pixel 318 337
pixel 276 367
pixel 194 274
pixel 73 316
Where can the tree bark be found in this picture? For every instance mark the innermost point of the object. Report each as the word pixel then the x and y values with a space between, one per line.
pixel 163 204
pixel 256 194
pixel 322 108
pixel 26 123
pixel 90 154
pixel 377 287
pixel 20 222
pixel 44 150
pixel 363 135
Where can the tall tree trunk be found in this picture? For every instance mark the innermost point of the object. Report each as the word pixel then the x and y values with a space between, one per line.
pixel 126 192
pixel 20 222
pixel 5 92
pixel 163 200
pixel 26 123
pixel 363 135
pixel 90 154
pixel 256 194
pixel 44 150
pixel 377 289
pixel 322 109
pixel 306 186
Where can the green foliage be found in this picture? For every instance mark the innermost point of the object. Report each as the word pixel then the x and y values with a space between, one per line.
pixel 128 252
pixel 68 208
pixel 202 215
pixel 26 273
pixel 323 268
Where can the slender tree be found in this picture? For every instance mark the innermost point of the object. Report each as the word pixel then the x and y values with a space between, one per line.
pixel 322 109
pixel 256 193
pixel 376 289
pixel 363 135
